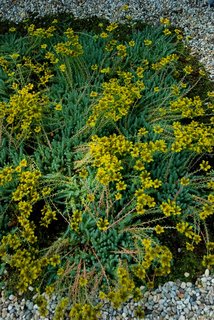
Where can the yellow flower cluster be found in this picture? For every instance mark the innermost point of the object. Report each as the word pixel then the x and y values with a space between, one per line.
pixel 84 311
pixel 156 253
pixel 112 26
pixel 105 154
pixel 48 215
pixel 121 50
pixel 170 208
pixel 24 110
pixel 111 45
pixel 188 107
pixel 60 309
pixel 26 194
pixel 207 210
pixel 195 136
pixel 188 69
pixel 144 200
pixel 125 288
pixel 24 260
pixel 40 32
pixel 102 151
pixel 40 70
pixel 208 260
pixel 76 220
pixel 186 229
pixel 6 174
pixel 116 99
pixel 71 47
pixel 3 63
pixel 164 61
pixel 51 57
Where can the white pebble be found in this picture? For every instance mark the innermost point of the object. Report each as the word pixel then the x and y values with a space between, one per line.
pixel 186 274
pixel 207 272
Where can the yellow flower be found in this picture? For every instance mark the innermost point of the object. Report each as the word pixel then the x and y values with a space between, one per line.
pixel 188 69
pixel 54 260
pixel 12 29
pixel 105 70
pixel 118 196
pixel 83 173
pixel 37 129
pixel 83 281
pixel 165 21
pixel 93 94
pixel 211 198
pixel 177 31
pixel 167 32
pixel 104 35
pixel 156 89
pixel 18 169
pixel 23 163
pixel 157 183
pixel 183 85
pixel 102 295
pixel 205 165
pixel 210 184
pixel 202 73
pixel 184 181
pixel 142 131
pixel 90 197
pixel 121 186
pixel 147 42
pixel 43 46
pixel 94 67
pixel 139 165
pixel 147 243
pixel 188 38
pixel 189 246
pixel 131 43
pixel 58 107
pixel 210 94
pixel 196 238
pixel 158 229
pixel 179 37
pixel 158 129
pixel 60 271
pixel 62 67
pixel 102 224
pixel 125 7
pixel 14 56
pixel 112 27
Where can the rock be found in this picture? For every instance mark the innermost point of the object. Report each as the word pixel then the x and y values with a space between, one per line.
pixel 183 285
pixel 207 272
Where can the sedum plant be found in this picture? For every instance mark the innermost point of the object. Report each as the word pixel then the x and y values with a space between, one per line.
pixel 105 156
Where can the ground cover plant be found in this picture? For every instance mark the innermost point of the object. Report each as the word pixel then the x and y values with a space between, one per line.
pixel 105 161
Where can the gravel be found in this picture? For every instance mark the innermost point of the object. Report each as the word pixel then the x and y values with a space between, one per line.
pixel 173 301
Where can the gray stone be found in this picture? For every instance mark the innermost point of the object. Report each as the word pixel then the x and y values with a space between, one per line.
pixel 183 285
